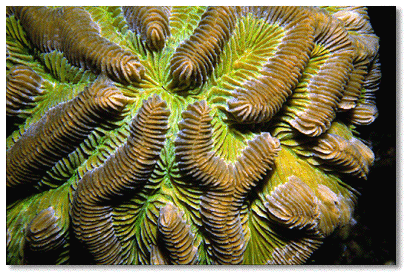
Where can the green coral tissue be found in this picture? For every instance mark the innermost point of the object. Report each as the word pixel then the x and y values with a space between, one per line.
pixel 184 135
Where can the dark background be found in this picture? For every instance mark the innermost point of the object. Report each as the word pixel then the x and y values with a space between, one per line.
pixel 373 239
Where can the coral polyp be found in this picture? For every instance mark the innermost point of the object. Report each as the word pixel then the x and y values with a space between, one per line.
pixel 184 135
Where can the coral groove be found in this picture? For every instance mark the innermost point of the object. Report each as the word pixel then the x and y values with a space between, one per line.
pixel 313 215
pixel 366 43
pixel 195 59
pixel 352 156
pixel 325 88
pixel 72 31
pixel 22 87
pixel 43 237
pixel 227 184
pixel 124 172
pixel 176 235
pixel 152 23
pixel 365 112
pixel 294 205
pixel 258 100
pixel 58 133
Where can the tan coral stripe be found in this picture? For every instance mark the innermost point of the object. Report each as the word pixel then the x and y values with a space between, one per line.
pixel 91 213
pixel 177 236
pixel 152 23
pixel 327 86
pixel 58 133
pixel 72 31
pixel 195 59
pixel 260 99
pixel 22 87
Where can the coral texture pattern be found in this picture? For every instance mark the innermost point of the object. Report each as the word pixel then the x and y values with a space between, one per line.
pixel 184 135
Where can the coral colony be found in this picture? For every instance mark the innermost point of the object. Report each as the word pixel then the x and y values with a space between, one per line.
pixel 184 135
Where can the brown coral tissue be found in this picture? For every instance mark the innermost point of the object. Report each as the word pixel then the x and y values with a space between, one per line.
pixel 192 135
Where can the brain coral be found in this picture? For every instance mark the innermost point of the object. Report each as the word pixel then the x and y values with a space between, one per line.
pixel 184 135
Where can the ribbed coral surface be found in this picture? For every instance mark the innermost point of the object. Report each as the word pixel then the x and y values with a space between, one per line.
pixel 184 135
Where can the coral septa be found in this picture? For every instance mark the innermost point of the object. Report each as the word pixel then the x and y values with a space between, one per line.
pixel 123 173
pixel 59 132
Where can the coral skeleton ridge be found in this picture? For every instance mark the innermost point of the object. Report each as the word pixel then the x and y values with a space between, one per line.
pixel 184 135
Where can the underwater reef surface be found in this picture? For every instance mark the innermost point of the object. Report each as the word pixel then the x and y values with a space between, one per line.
pixel 368 241
pixel 185 135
